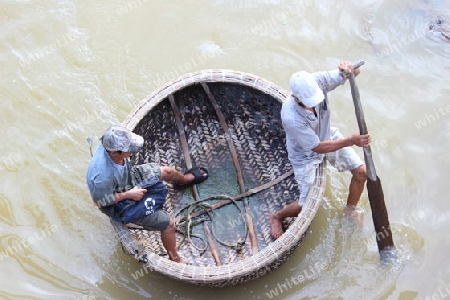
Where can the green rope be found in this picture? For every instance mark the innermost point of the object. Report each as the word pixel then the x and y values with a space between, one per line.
pixel 186 222
pixel 185 228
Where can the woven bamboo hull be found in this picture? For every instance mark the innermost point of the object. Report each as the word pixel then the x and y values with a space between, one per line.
pixel 250 108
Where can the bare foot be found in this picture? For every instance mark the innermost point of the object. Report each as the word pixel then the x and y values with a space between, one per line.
pixel 189 177
pixel 276 226
pixel 353 215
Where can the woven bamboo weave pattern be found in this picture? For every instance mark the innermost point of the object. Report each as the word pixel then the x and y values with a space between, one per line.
pixel 250 106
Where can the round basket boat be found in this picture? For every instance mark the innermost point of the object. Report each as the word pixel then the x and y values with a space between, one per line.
pixel 229 123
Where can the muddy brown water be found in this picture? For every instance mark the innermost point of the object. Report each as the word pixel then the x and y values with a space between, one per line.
pixel 71 68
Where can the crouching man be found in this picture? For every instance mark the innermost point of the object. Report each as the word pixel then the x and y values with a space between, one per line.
pixel 110 182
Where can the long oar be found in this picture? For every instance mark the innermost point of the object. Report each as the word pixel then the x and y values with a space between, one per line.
pixel 374 188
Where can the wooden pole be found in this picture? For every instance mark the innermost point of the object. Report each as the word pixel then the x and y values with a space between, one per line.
pixel 212 244
pixel 237 166
pixel 244 195
pixel 375 190
pixel 183 141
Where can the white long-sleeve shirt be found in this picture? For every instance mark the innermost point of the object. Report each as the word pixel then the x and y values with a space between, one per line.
pixel 304 131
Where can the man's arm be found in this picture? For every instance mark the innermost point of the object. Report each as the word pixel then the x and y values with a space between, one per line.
pixel 102 192
pixel 331 146
pixel 329 80
pixel 135 194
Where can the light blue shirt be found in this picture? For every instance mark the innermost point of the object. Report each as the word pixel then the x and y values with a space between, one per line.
pixel 304 131
pixel 105 177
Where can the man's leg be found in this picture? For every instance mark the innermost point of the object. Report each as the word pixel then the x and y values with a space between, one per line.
pixel 169 241
pixel 170 174
pixel 276 219
pixel 356 185
pixel 346 159
pixel 304 175
pixel 161 221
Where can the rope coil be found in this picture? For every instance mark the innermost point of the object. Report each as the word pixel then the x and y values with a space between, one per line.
pixel 186 222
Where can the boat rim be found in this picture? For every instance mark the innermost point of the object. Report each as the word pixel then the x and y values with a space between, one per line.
pixel 273 252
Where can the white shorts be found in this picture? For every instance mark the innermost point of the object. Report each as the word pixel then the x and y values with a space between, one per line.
pixel 344 159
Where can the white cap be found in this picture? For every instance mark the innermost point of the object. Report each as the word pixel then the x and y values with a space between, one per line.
pixel 305 88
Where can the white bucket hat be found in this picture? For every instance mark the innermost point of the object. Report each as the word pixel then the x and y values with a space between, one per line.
pixel 305 88
pixel 119 138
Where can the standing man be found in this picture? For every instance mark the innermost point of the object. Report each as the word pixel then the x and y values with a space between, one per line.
pixel 109 180
pixel 310 138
